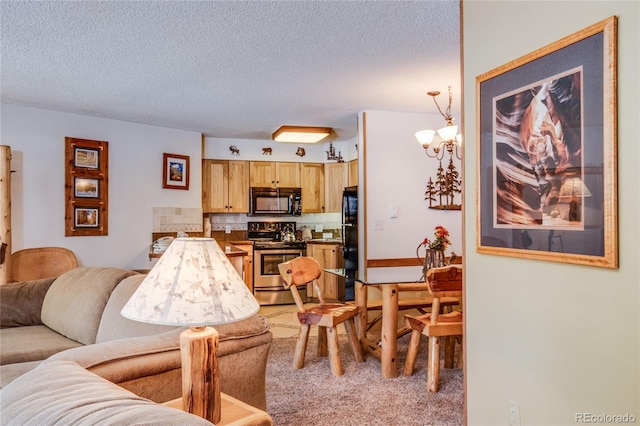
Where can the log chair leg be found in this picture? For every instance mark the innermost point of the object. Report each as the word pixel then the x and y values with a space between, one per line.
pixel 449 351
pixel 433 368
pixel 322 341
pixel 301 346
pixel 350 326
pixel 460 360
pixel 412 352
pixel 334 351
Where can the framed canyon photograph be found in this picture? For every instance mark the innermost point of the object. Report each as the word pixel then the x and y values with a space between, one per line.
pixel 547 152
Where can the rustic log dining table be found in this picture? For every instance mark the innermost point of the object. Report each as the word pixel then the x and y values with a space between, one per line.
pixel 390 281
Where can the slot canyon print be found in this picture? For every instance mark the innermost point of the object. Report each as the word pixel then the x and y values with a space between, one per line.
pixel 538 146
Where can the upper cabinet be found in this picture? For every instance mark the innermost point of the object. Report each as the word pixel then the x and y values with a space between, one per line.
pixel 267 174
pixel 353 173
pixel 312 180
pixel 225 186
pixel 336 178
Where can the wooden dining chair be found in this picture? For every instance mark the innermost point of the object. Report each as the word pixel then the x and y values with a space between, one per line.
pixel 305 270
pixel 442 282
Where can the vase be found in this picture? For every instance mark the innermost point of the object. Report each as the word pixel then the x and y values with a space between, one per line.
pixel 433 258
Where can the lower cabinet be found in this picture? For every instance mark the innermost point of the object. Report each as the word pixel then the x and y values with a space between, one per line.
pixel 330 257
pixel 247 270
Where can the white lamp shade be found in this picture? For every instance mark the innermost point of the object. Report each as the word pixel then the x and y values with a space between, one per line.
pixel 459 139
pixel 448 133
pixel 192 284
pixel 425 137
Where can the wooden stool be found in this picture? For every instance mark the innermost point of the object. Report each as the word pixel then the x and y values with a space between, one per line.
pixel 304 270
pixel 442 282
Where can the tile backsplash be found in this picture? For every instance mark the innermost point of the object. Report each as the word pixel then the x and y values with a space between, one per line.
pixel 175 219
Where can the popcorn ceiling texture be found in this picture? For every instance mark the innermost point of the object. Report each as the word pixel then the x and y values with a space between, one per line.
pixel 230 69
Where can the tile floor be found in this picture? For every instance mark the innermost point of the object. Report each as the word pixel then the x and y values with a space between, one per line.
pixel 282 320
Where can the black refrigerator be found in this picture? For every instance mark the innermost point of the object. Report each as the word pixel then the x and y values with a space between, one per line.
pixel 350 239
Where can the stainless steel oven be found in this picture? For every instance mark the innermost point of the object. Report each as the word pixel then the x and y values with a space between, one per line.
pixel 268 287
pixel 268 252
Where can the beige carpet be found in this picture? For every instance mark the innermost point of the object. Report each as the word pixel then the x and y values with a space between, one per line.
pixel 313 396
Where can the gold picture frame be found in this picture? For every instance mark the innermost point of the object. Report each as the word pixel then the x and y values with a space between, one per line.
pixel 546 140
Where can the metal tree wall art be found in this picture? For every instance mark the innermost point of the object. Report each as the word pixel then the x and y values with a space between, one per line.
pixel 447 184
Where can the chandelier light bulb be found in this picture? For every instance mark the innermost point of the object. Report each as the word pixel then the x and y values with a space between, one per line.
pixel 425 137
pixel 448 133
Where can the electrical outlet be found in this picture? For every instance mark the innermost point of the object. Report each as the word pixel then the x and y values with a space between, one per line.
pixel 514 413
pixel 378 225
pixel 227 229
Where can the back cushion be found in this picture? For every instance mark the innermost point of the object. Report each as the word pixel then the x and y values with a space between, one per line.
pixel 114 326
pixel 74 303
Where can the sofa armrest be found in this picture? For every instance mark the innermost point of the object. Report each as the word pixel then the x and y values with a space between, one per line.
pixel 126 359
pixel 21 302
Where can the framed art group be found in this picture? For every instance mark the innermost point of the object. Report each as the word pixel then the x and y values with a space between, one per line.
pixel 86 187
pixel 547 152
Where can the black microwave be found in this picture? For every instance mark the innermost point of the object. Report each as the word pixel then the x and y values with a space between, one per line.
pixel 275 201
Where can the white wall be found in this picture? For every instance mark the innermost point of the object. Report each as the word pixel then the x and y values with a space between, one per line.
pixel 557 339
pixel 251 150
pixel 397 171
pixel 37 141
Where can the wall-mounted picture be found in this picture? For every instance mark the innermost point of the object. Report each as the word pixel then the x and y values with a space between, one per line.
pixel 86 183
pixel 86 187
pixel 88 158
pixel 175 171
pixel 87 217
pixel 547 151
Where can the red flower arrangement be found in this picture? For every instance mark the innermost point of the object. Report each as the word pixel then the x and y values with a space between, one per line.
pixel 441 240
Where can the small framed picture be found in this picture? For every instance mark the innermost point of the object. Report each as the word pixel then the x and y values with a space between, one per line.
pixel 86 187
pixel 87 217
pixel 175 171
pixel 86 158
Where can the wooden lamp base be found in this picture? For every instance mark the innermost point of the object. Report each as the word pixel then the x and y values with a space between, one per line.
pixel 200 372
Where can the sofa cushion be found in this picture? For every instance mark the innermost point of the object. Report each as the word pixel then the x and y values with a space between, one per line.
pixel 31 343
pixel 62 392
pixel 21 302
pixel 114 326
pixel 10 372
pixel 75 301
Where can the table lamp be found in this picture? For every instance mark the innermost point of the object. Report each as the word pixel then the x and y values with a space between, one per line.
pixel 194 284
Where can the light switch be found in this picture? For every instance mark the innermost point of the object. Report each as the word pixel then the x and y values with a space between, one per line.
pixel 393 212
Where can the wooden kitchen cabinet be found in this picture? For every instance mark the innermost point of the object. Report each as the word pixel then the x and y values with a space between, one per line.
pixel 268 174
pixel 225 186
pixel 312 183
pixel 329 256
pixel 353 173
pixel 336 178
pixel 247 270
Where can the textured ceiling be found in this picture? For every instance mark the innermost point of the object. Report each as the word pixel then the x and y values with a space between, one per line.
pixel 230 69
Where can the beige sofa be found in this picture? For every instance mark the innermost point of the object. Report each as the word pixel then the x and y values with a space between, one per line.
pixel 64 393
pixel 76 317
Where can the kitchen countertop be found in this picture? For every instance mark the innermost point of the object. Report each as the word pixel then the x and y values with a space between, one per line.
pixel 324 241
pixel 235 251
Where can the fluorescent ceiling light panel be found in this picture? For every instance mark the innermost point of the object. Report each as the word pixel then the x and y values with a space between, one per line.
pixel 301 134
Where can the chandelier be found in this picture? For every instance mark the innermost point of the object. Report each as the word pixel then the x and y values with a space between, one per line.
pixel 448 182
